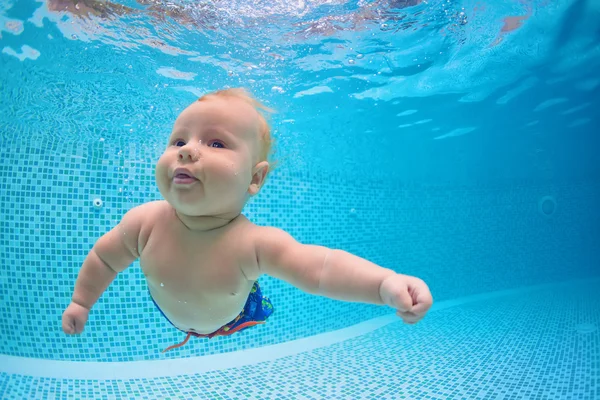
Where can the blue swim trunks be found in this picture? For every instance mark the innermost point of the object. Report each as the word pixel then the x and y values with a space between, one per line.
pixel 256 310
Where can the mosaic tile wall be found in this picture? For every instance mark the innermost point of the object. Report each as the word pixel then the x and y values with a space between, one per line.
pixel 461 240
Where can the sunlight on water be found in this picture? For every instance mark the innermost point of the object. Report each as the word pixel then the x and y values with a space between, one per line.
pixel 370 56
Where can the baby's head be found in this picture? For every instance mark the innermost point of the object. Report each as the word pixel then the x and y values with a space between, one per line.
pixel 217 155
pixel 264 130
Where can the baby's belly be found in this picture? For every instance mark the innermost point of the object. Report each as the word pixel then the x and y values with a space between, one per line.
pixel 199 314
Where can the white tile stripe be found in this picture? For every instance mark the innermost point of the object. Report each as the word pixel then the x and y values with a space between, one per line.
pixel 188 366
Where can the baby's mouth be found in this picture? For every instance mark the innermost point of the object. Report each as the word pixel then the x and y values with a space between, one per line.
pixel 181 177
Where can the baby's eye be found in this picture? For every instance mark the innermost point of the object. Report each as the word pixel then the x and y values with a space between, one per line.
pixel 217 145
pixel 178 143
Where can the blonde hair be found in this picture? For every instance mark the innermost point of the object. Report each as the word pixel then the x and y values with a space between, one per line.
pixel 264 130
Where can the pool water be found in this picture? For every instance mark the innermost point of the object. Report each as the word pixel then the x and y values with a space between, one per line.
pixel 453 141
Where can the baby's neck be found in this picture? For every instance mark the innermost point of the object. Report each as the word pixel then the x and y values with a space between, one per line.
pixel 205 223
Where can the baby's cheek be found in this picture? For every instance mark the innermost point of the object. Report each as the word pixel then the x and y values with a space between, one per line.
pixel 161 167
pixel 227 170
pixel 161 176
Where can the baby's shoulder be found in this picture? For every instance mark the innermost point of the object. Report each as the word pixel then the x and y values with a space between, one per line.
pixel 248 235
pixel 147 213
pixel 248 227
pixel 157 206
pixel 150 207
pixel 141 221
pixel 256 235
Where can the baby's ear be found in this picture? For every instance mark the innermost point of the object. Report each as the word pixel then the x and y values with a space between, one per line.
pixel 258 177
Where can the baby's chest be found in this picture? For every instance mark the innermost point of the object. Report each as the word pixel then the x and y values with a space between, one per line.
pixel 193 268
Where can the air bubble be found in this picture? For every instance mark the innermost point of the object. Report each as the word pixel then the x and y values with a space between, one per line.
pixel 351 61
pixel 162 284
pixel 359 56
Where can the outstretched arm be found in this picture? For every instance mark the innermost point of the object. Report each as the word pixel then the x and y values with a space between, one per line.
pixel 339 275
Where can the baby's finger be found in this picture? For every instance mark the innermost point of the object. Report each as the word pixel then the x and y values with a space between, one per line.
pixel 408 317
pixel 403 301
pixel 68 327
pixel 421 308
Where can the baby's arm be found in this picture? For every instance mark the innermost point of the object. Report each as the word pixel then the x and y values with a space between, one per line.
pixel 339 275
pixel 111 254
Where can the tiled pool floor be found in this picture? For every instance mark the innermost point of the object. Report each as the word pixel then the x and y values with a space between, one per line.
pixel 530 343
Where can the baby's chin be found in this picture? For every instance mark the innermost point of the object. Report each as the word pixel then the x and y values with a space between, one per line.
pixel 195 211
pixel 190 210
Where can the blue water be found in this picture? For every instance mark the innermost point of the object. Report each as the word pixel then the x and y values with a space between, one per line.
pixel 454 141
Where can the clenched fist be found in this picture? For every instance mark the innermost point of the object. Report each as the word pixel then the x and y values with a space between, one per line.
pixel 409 295
pixel 74 319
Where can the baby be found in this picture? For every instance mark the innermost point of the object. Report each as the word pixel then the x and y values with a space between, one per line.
pixel 202 258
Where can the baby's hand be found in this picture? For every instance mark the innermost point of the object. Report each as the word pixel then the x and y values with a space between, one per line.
pixel 74 319
pixel 407 294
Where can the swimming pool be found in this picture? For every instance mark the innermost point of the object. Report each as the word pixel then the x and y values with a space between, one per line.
pixel 455 141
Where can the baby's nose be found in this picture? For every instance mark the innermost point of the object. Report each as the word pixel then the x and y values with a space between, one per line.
pixel 188 153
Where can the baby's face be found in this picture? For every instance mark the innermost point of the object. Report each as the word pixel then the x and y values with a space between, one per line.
pixel 210 161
